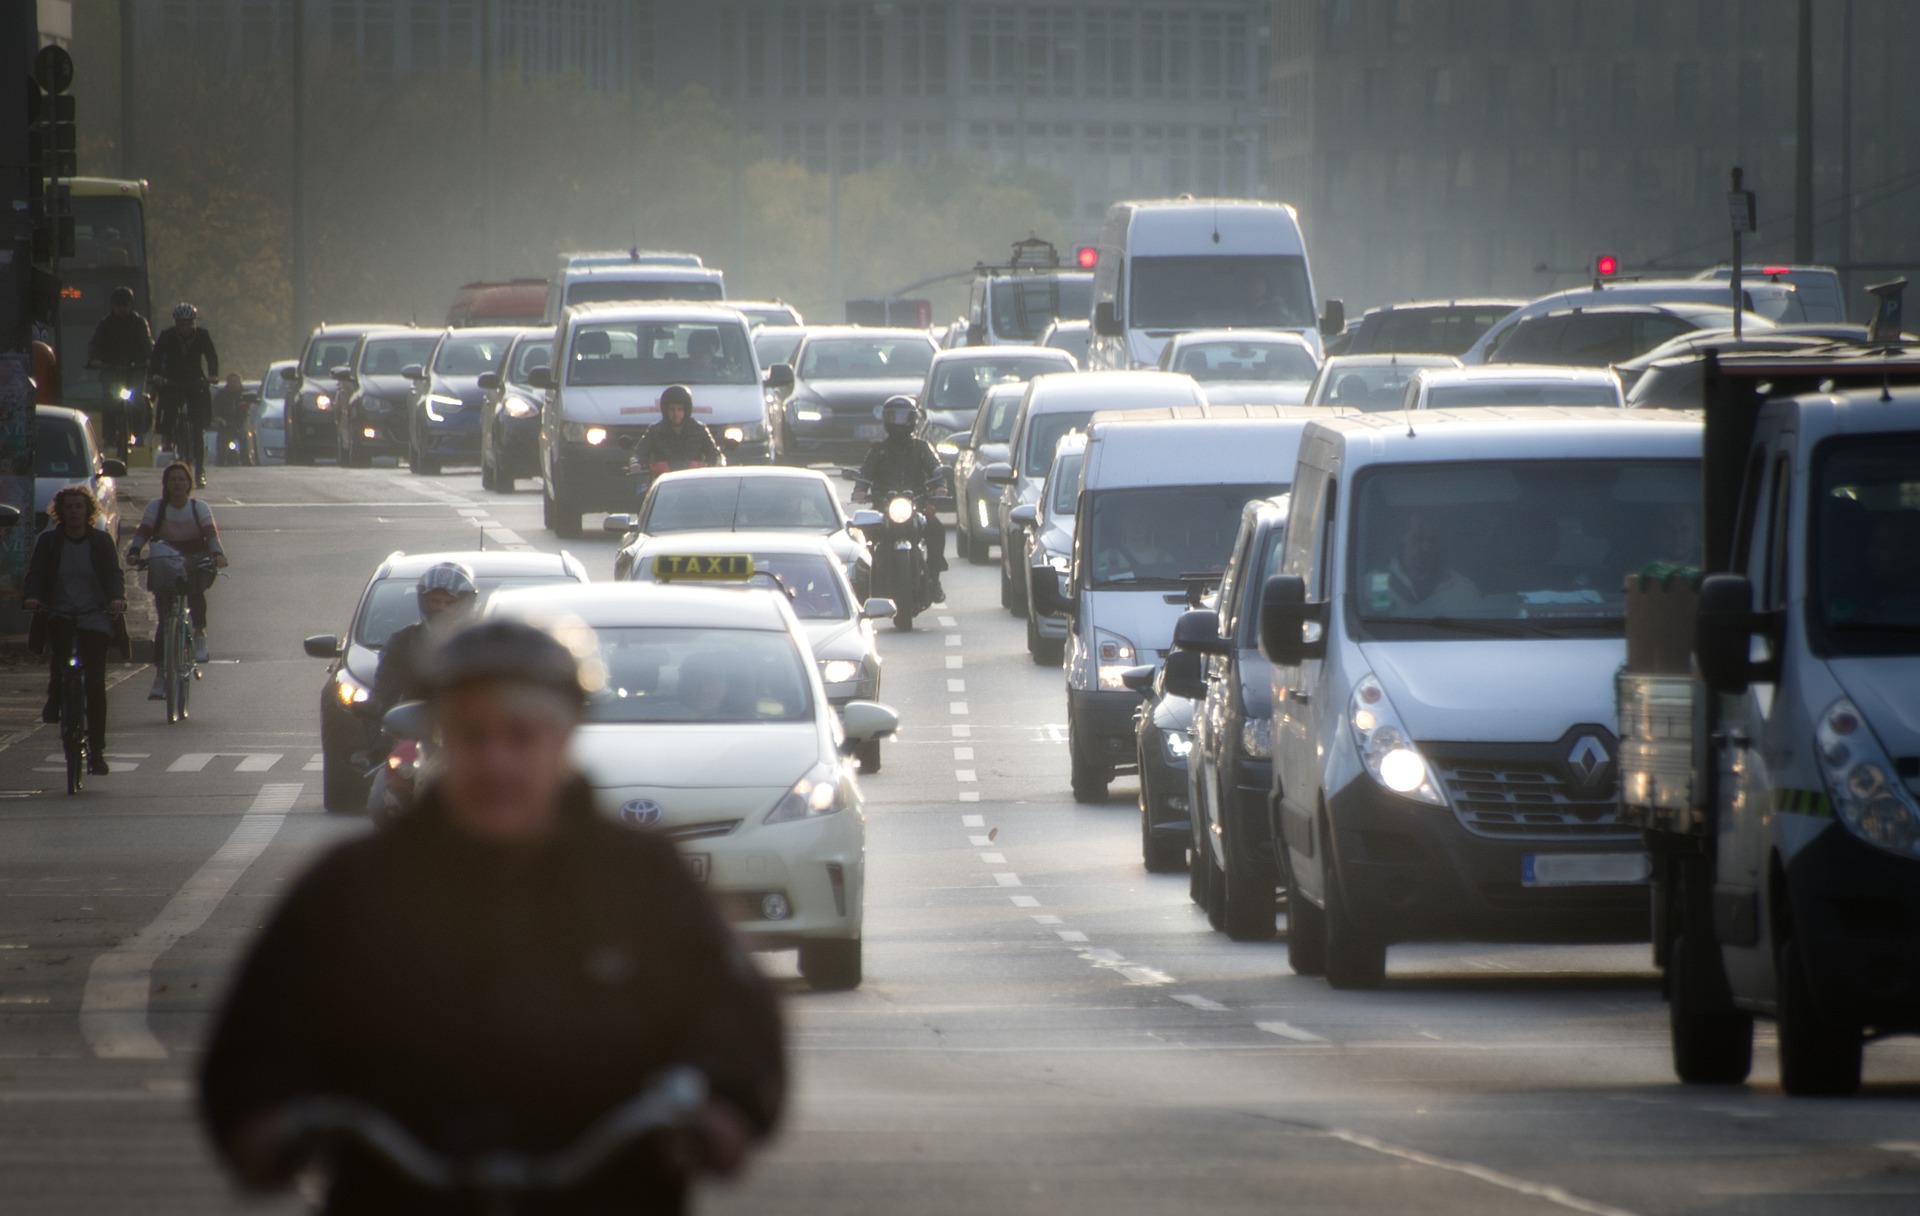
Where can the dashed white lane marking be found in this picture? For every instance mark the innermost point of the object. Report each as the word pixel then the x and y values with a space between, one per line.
pixel 1044 919
pixel 1287 1030
pixel 962 731
pixel 257 763
pixel 953 639
pixel 969 795
pixel 994 859
pixel 473 511
pixel 317 764
pixel 965 774
pixel 250 762
pixel 1492 1177
pixel 955 662
pixel 113 1009
pixel 963 753
pixel 956 686
pixel 956 707
pixel 979 842
pixel 1199 1002
pixel 1071 935
pixel 1007 879
pixel 973 821
pixel 1024 901
pixel 947 622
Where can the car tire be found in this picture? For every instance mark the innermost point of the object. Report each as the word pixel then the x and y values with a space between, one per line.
pixel 1161 853
pixel 486 474
pixel 1250 904
pixel 1216 892
pixel 978 552
pixel 1196 872
pixel 831 964
pixel 868 754
pixel 1090 777
pixel 502 482
pixel 1354 957
pixel 1712 1041
pixel 1045 652
pixel 1818 1057
pixel 561 519
pixel 1306 936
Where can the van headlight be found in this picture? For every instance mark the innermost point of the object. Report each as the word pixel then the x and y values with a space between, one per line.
pixel 814 795
pixel 1867 793
pixel 322 402
pixel 838 671
pixel 581 432
pixel 745 432
pixel 1256 738
pixel 1386 748
pixel 1114 655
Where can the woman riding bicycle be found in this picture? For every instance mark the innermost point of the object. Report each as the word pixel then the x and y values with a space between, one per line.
pixel 186 523
pixel 75 588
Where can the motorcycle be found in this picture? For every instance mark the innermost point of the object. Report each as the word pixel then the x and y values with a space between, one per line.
pixel 897 531
pixel 396 778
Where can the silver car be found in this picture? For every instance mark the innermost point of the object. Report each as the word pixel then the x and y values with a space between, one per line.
pixel 66 454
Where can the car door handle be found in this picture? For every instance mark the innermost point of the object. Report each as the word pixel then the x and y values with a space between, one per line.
pixel 1294 694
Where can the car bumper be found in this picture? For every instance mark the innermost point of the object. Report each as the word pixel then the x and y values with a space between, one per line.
pixel 389 433
pixel 593 478
pixel 1103 724
pixel 1856 912
pixel 311 428
pixel 517 446
pixel 457 438
pixel 818 865
pixel 1411 872
pixel 1163 788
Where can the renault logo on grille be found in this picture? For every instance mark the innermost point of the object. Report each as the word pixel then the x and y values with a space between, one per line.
pixel 641 812
pixel 1588 760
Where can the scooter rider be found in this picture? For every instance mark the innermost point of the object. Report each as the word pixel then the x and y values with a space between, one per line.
pixel 901 464
pixel 446 594
pixel 676 441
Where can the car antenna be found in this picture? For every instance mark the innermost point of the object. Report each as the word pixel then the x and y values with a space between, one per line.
pixel 1408 411
pixel 483 538
pixel 1216 221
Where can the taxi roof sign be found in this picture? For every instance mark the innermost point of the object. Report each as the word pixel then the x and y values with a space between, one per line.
pixel 730 566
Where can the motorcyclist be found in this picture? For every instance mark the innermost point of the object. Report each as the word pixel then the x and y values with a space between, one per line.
pixel 186 365
pixel 446 594
pixel 120 345
pixel 902 464
pixel 676 441
pixel 498 970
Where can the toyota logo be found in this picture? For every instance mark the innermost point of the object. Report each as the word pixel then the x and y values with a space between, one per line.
pixel 1588 760
pixel 641 813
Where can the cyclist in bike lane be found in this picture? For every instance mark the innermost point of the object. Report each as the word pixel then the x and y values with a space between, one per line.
pixel 497 970
pixel 186 366
pixel 186 523
pixel 74 583
pixel 120 346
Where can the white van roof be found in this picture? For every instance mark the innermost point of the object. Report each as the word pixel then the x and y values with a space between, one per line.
pixel 664 312
pixel 1532 432
pixel 1195 451
pixel 1212 225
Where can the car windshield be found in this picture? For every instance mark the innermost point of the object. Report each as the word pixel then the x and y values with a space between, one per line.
pixel 1865 571
pixel 740 504
pixel 1149 538
pixel 661 352
pixel 1023 307
pixel 1514 548
pixel 1217 292
pixel 470 355
pixel 59 449
pixel 775 346
pixel 700 675
pixel 273 387
pixel 1589 339
pixel 326 354
pixel 1002 409
pixel 1043 435
pixel 1363 388
pixel 532 353
pixel 1430 331
pixel 1233 361
pixel 769 314
pixel 813 587
pixel 1495 393
pixel 388 356
pixel 1063 484
pixel 1072 339
pixel 393 602
pixel 866 359
pixel 960 384
pixel 601 291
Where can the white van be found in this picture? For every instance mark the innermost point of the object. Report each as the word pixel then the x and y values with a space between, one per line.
pixel 1199 263
pixel 597 282
pixel 603 390
pixel 1444 633
pixel 1159 503
pixel 1773 301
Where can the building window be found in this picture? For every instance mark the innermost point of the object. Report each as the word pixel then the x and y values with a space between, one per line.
pixel 1523 25
pixel 1459 24
pixel 1237 47
pixel 1179 55
pixel 1709 22
pixel 923 44
pixel 861 66
pixel 1153 55
pixel 1209 69
pixel 1440 87
pixel 1646 23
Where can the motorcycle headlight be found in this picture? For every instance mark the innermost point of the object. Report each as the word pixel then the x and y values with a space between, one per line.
pixel 839 671
pixel 519 407
pixel 580 432
pixel 900 510
pixel 1386 748
pixel 814 795
pixel 1256 738
pixel 1114 654
pixel 349 690
pixel 1868 795
pixel 125 394
pixel 1178 743
pixel 439 405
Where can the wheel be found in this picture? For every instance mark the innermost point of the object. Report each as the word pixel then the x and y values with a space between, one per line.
pixel 1196 868
pixel 1354 957
pixel 1216 892
pixel 1162 854
pixel 75 745
pixel 868 754
pixel 486 475
pixel 562 520
pixel 1306 936
pixel 831 965
pixel 1250 901
pixel 1090 777
pixel 1712 1041
pixel 1817 1055
pixel 343 787
pixel 1013 593
pixel 1045 652
pixel 977 552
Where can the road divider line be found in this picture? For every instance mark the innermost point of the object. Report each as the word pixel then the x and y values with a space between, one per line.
pixel 1071 935
pixel 965 774
pixel 956 707
pixel 953 639
pixel 956 686
pixel 1199 1002
pixel 969 795
pixel 955 662
pixel 1007 879
pixel 1492 1177
pixel 1024 901
pixel 973 821
pixel 963 753
pixel 113 1008
pixel 1288 1030
pixel 978 842
pixel 1045 919
pixel 947 622
pixel 994 859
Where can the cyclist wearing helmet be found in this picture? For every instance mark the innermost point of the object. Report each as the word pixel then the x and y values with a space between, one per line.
pixel 676 441
pixel 446 594
pixel 902 464
pixel 184 365
pixel 499 969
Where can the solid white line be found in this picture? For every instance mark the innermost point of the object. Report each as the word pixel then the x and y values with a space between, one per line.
pixel 965 774
pixel 1071 935
pixel 956 686
pixel 1006 879
pixel 1199 1002
pixel 955 662
pixel 956 707
pixel 963 753
pixel 1024 901
pixel 1536 1190
pixel 113 1009
pixel 994 859
pixel 1287 1030
pixel 973 821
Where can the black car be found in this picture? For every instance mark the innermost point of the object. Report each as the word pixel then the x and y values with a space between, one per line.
pixel 390 601
pixel 373 393
pixel 1163 737
pixel 828 398
pixel 1230 769
pixel 444 413
pixel 1425 327
pixel 310 413
pixel 510 412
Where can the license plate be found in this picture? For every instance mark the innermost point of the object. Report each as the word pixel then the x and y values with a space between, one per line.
pixel 1584 869
pixel 869 430
pixel 699 864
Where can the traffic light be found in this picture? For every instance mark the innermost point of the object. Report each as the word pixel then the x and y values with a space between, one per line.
pixel 1087 256
pixel 52 153
pixel 1605 266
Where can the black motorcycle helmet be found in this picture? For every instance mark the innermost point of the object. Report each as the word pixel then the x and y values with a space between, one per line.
pixel 122 297
pixel 676 394
pixel 900 415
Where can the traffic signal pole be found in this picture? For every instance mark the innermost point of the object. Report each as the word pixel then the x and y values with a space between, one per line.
pixel 19 40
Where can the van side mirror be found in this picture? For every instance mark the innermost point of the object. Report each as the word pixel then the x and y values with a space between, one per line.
pixel 489 380
pixel 999 473
pixel 1333 318
pixel 1043 587
pixel 976 334
pixel 780 376
pixel 1140 679
pixel 1284 619
pixel 1184 676
pixel 1106 320
pixel 1723 632
pixel 540 378
pixel 1198 631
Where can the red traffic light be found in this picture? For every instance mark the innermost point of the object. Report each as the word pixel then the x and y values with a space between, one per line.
pixel 1606 266
pixel 1087 256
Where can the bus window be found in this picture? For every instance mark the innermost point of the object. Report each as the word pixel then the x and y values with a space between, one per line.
pixel 107 234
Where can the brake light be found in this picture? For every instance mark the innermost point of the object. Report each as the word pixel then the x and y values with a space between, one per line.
pixel 1773 270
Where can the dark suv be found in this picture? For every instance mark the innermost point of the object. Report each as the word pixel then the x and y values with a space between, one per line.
pixel 312 431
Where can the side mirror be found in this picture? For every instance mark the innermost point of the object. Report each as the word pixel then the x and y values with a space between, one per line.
pixel 110 467
pixel 1284 617
pixel 617 525
pixel 1140 679
pixel 1106 320
pixel 999 473
pixel 1184 676
pixel 1198 631
pixel 1333 318
pixel 489 380
pixel 865 518
pixel 1026 515
pixel 413 371
pixel 780 377
pixel 9 515
pixel 865 721
pixel 961 442
pixel 408 720
pixel 322 646
pixel 540 378
pixel 342 372
pixel 1043 586
pixel 878 609
pixel 1723 633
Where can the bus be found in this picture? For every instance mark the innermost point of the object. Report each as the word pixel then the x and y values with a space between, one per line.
pixel 109 251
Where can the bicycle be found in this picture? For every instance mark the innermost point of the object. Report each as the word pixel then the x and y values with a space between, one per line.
pixel 73 712
pixel 171 573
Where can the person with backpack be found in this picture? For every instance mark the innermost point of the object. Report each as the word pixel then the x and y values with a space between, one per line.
pixel 186 523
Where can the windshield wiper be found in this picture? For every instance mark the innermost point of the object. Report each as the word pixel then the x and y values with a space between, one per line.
pixel 1485 627
pixel 1146 584
pixel 1903 628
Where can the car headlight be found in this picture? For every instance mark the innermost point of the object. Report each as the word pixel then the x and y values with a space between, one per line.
pixel 1386 748
pixel 519 407
pixel 1061 562
pixel 814 795
pixel 349 690
pixel 1178 743
pixel 1256 738
pixel 1114 655
pixel 807 411
pixel 1868 795
pixel 936 433
pixel 581 432
pixel 439 405
pixel 839 671
pixel 322 402
pixel 900 509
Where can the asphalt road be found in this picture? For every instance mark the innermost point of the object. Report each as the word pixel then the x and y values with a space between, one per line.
pixel 1045 1028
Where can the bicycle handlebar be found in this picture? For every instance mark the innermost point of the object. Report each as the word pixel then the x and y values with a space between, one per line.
pixel 666 1104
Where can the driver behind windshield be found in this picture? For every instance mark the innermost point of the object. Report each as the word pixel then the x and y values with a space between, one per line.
pixel 1419 578
pixel 1138 550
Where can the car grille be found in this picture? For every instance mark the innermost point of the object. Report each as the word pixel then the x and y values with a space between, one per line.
pixel 703 831
pixel 1526 797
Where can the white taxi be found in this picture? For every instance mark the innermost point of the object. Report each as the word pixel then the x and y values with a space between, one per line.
pixel 710 724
